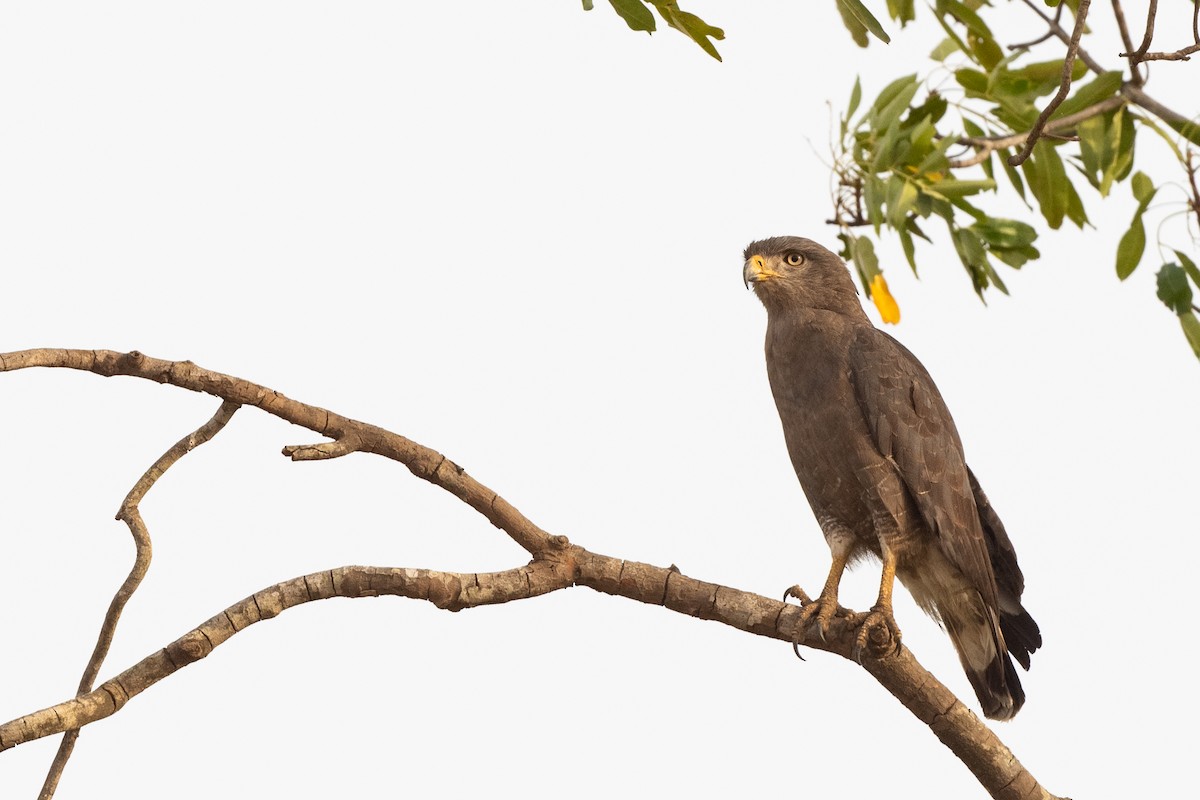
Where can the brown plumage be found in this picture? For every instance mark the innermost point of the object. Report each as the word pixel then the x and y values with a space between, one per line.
pixel 881 463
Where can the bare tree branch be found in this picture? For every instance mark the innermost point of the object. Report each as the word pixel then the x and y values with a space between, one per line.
pixel 1091 63
pixel 1149 35
pixel 1057 16
pixel 1182 54
pixel 448 590
pixel 556 564
pixel 1135 71
pixel 141 564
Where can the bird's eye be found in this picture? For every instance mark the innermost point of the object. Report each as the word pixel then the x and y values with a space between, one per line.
pixel 794 259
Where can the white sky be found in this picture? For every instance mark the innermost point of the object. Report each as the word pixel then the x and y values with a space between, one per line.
pixel 513 233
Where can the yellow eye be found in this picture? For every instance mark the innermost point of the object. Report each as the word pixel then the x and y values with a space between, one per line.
pixel 794 259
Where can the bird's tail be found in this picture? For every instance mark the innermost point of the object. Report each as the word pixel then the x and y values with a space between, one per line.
pixel 976 633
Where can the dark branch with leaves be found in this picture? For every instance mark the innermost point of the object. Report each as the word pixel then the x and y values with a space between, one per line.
pixel 930 147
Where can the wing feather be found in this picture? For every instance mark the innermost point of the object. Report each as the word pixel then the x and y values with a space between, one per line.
pixel 912 428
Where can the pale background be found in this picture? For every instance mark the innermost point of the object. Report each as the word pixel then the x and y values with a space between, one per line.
pixel 513 233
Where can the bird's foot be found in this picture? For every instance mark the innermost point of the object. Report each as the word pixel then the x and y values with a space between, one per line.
pixel 878 634
pixel 820 611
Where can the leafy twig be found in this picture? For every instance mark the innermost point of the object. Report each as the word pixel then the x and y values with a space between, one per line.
pixel 985 146
pixel 1064 87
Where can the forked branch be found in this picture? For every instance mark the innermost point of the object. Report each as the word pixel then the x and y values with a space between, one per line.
pixel 556 564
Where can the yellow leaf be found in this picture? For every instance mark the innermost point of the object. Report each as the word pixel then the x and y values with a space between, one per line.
pixel 888 308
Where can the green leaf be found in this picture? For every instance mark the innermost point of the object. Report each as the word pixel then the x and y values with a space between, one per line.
pixel 1014 177
pixel 1130 248
pixel 986 51
pixel 906 242
pixel 974 81
pixel 973 256
pixel 690 25
pixel 1106 148
pixel 902 196
pixel 1187 129
pixel 935 160
pixel 635 13
pixel 861 252
pixel 1009 241
pixel 915 229
pixel 1189 267
pixel 1154 126
pixel 847 246
pixel 889 93
pixel 1173 288
pixel 1092 149
pixel 952 188
pixel 858 31
pixel 994 276
pixel 855 98
pixel 1191 330
pixel 1075 210
pixel 587 5
pixel 1133 243
pixel 883 118
pixel 1048 183
pixel 966 16
pixel 945 49
pixel 951 34
pixel 931 110
pixel 1047 73
pixel 857 10
pixel 1143 189
pixel 874 193
pixel 865 258
pixel 902 11
pixel 1103 87
pixel 1006 234
pixel 1125 134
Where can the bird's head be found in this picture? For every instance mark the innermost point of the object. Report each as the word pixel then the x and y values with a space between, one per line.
pixel 791 273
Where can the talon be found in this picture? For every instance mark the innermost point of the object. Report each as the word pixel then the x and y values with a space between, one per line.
pixel 797 593
pixel 816 613
pixel 878 634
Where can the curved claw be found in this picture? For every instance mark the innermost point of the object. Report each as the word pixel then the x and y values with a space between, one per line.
pixel 887 643
pixel 797 593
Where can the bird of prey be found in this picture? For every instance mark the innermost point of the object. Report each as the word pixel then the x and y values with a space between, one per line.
pixel 882 465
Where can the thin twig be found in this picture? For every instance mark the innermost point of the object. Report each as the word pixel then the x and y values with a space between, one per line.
pixel 1149 36
pixel 986 145
pixel 1057 16
pixel 1064 87
pixel 1182 54
pixel 1091 63
pixel 1192 169
pixel 1134 70
pixel 141 564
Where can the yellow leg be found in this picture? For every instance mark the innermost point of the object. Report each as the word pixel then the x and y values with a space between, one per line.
pixel 886 581
pixel 825 606
pixel 878 633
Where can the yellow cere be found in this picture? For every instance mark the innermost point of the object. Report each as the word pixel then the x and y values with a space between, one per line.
pixel 888 308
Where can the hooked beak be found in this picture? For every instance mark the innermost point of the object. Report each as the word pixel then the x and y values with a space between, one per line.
pixel 756 271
